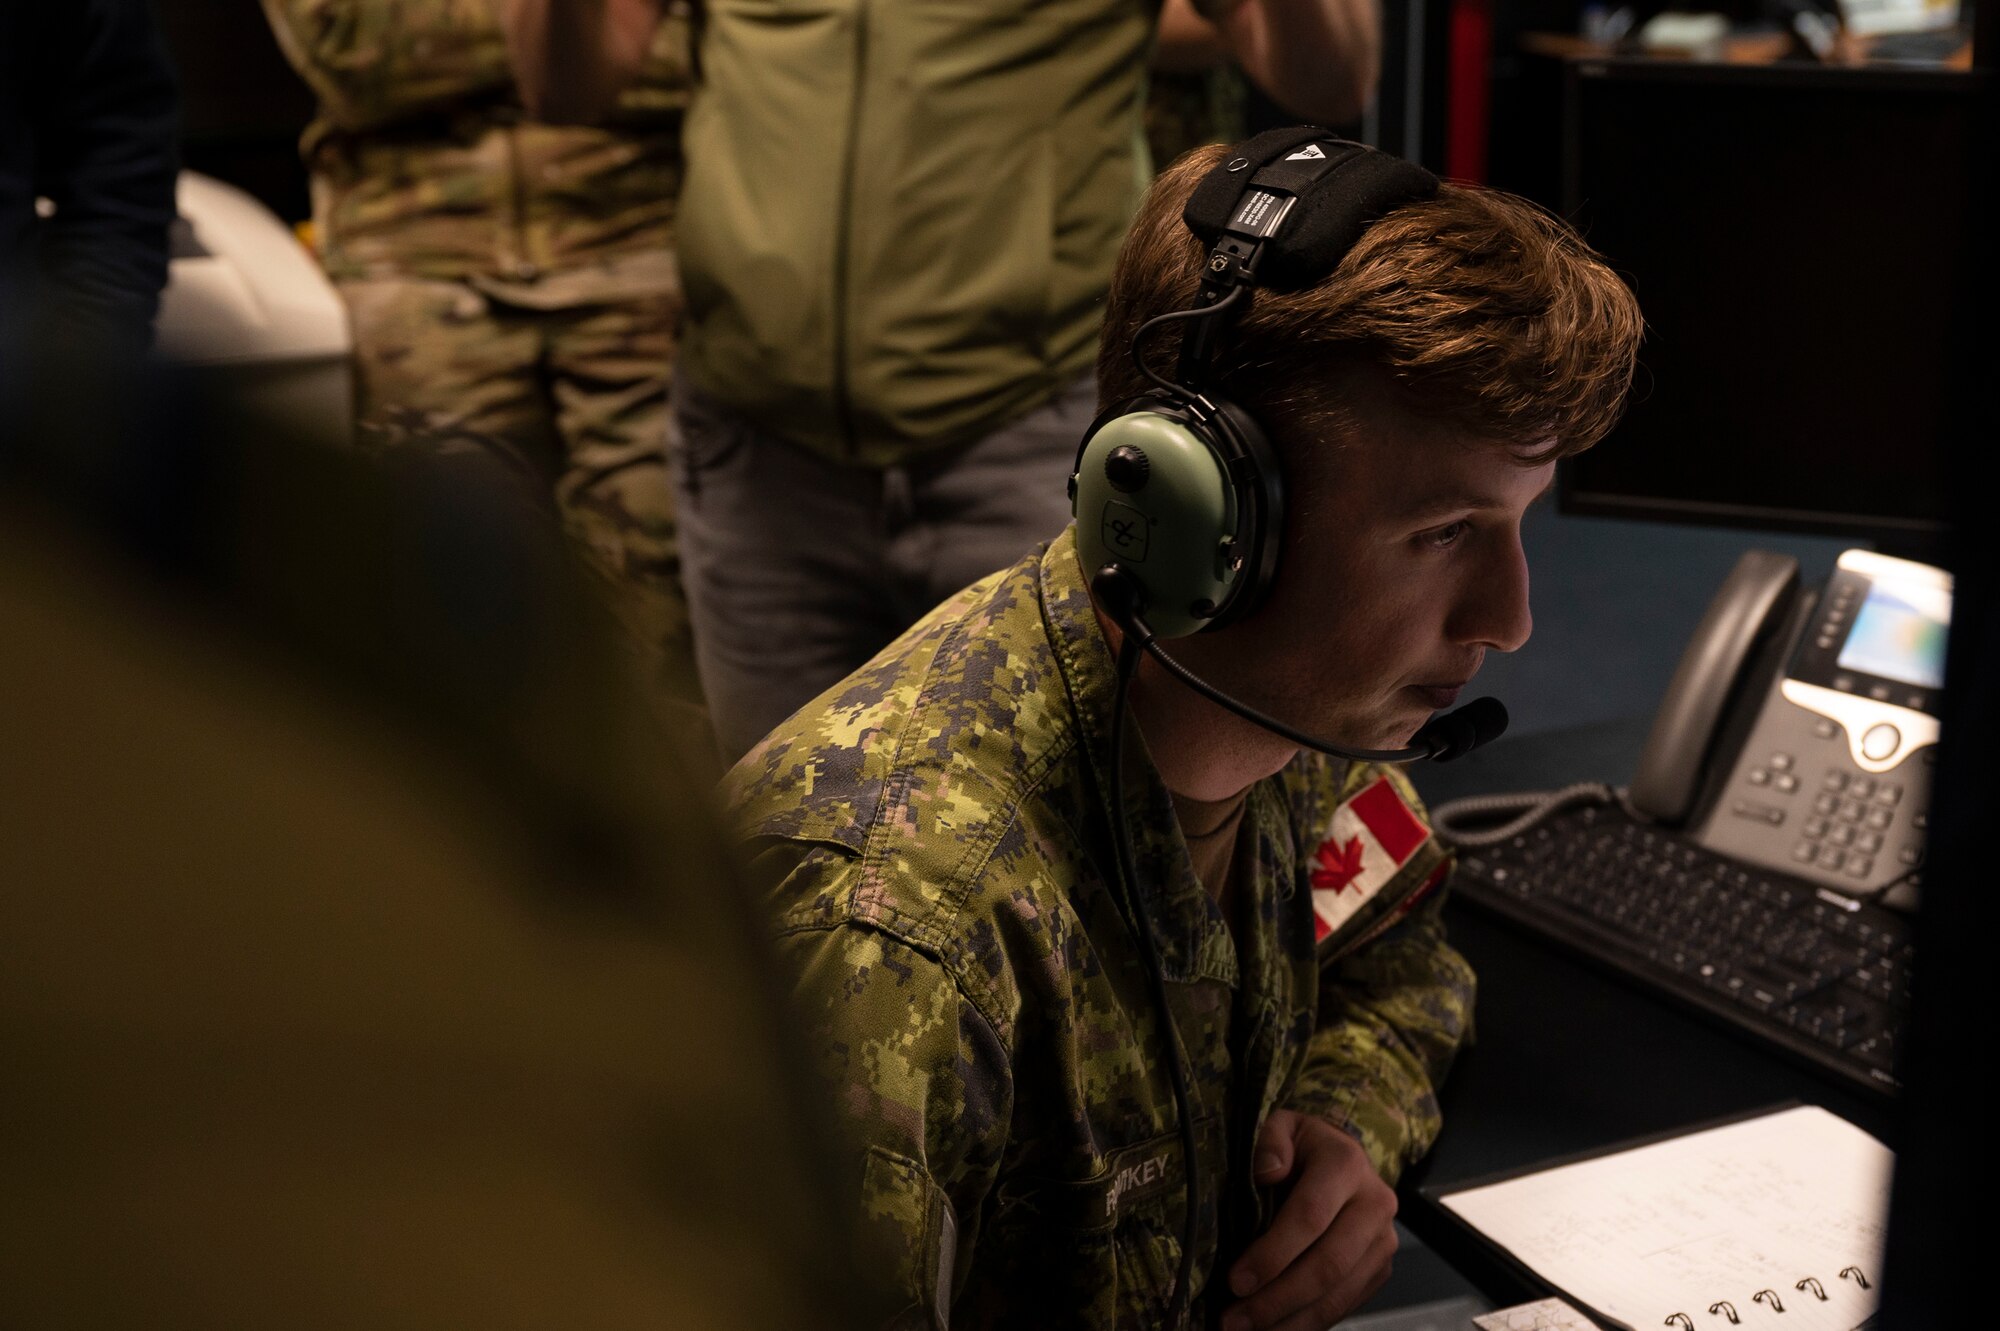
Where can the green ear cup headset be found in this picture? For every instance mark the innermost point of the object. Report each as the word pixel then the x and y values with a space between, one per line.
pixel 1180 503
pixel 1182 491
pixel 1180 487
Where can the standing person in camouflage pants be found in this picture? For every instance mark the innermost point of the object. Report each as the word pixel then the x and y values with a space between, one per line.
pixel 511 283
pixel 937 832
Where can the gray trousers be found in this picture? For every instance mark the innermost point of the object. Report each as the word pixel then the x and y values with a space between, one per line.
pixel 798 569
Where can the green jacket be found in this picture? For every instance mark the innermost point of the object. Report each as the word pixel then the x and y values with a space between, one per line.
pixel 936 836
pixel 900 219
pixel 424 164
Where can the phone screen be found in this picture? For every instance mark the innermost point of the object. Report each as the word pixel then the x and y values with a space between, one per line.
pixel 1899 634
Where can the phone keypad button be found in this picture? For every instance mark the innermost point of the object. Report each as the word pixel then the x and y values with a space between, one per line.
pixel 1758 777
pixel 1815 827
pixel 1888 795
pixel 1861 787
pixel 1843 835
pixel 1879 819
pixel 1912 856
pixel 1827 804
pixel 1831 857
pixel 1836 781
pixel 1825 729
pixel 1860 866
pixel 1781 762
pixel 1850 811
pixel 1868 841
pixel 1804 851
pixel 1786 782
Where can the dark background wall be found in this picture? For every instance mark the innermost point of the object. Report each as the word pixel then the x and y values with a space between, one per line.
pixel 243 108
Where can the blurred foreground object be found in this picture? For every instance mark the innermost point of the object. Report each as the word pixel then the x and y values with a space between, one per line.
pixel 247 305
pixel 366 960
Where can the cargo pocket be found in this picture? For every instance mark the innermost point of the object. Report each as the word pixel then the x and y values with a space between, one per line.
pixel 702 439
pixel 906 1239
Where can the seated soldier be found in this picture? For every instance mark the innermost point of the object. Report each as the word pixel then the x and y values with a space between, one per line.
pixel 940 832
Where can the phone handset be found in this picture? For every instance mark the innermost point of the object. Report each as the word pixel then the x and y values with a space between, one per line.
pixel 1738 624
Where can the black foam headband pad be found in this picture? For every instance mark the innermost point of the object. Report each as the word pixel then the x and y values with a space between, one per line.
pixel 1341 187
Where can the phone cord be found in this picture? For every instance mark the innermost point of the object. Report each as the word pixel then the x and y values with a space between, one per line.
pixel 1468 822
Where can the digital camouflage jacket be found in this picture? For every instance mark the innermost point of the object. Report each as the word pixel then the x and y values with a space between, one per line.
pixel 936 836
pixel 425 165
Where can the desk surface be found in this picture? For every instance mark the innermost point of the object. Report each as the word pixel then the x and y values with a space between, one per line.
pixel 1567 1057
pixel 1743 48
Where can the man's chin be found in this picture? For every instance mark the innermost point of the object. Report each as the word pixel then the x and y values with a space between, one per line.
pixel 1400 733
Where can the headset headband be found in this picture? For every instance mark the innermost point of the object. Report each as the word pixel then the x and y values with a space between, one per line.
pixel 1281 212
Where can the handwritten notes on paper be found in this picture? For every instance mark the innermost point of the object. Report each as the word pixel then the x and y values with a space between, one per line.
pixel 1771 1224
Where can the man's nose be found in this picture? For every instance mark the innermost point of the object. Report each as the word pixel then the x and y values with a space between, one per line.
pixel 1493 608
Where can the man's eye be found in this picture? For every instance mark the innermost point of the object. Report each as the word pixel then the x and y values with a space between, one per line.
pixel 1446 537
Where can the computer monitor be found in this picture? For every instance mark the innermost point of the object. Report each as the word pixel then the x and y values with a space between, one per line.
pixel 1798 238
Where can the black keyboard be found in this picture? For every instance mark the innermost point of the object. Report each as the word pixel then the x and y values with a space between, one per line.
pixel 1818 976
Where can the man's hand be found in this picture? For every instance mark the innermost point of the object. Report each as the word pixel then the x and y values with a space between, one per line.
pixel 1330 1245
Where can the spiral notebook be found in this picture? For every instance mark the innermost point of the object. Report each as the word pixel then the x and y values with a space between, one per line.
pixel 1770 1223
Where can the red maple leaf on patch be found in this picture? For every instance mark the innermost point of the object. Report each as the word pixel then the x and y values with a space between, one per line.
pixel 1338 865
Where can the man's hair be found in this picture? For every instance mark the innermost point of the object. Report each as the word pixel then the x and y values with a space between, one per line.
pixel 1477 309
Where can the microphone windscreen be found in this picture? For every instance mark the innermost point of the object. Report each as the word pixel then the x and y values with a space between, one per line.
pixel 1458 733
pixel 1489 720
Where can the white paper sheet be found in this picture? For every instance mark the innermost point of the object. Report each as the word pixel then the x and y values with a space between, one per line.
pixel 1783 1211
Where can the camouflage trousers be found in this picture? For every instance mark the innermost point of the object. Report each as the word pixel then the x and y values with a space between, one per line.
pixel 576 397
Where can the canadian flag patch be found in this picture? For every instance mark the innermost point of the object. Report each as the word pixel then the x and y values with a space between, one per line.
pixel 1372 836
